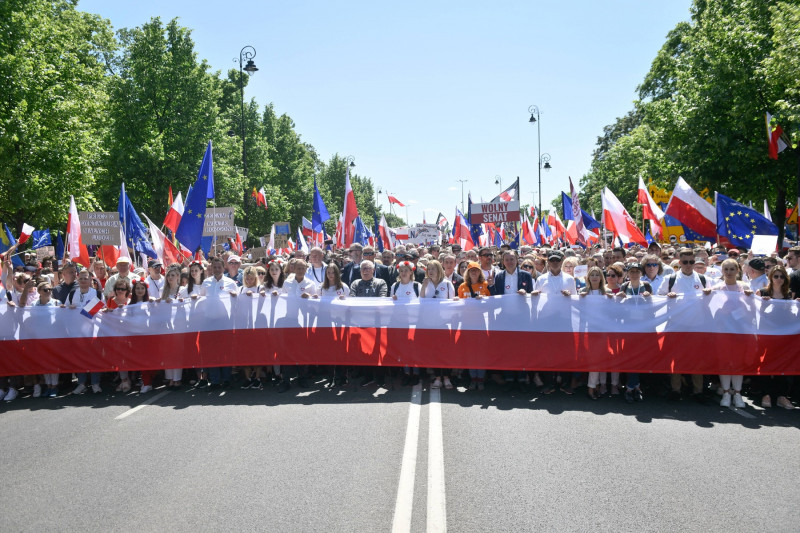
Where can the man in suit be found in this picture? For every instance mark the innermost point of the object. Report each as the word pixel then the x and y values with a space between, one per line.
pixel 352 270
pixel 381 271
pixel 511 279
pixel 449 265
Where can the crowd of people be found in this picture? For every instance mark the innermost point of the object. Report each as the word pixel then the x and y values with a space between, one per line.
pixel 405 273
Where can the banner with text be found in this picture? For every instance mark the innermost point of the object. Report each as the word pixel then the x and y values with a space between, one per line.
pixel 495 213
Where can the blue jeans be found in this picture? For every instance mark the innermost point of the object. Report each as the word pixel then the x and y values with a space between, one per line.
pixel 95 378
pixel 218 374
pixel 633 380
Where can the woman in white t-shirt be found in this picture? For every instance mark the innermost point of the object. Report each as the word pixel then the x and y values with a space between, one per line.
pixel 596 286
pixel 406 289
pixel 196 276
pixel 731 283
pixel 250 287
pixel 333 287
pixel 435 285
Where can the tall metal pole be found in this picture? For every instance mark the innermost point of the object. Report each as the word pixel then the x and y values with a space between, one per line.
pixel 462 194
pixel 246 53
pixel 534 109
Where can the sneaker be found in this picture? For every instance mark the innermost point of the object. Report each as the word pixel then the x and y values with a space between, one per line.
pixel 145 388
pixel 37 391
pixel 52 393
pixel 614 390
pixel 97 390
pixel 380 382
pixel 766 401
pixel 637 395
pixel 11 395
pixel 538 381
pixel 284 385
pixel 738 401
pixel 783 401
pixel 447 383
pixel 79 389
pixel 629 395
pixel 202 384
pixel 247 384
pixel 726 400
pixel 256 384
pixel 437 384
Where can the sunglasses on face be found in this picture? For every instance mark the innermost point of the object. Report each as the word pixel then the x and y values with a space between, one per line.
pixel 687 262
pixel 651 265
pixel 778 276
pixel 611 276
pixel 527 267
pixel 554 260
pixel 369 253
pixel 486 255
pixel 45 290
pixel 120 289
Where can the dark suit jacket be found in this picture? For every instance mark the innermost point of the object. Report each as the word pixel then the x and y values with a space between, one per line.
pixel 524 281
pixel 352 272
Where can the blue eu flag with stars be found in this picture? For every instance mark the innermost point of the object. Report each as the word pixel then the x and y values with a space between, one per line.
pixel 739 224
pixel 190 230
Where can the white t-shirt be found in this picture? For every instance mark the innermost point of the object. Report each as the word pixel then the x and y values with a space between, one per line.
pixel 184 291
pixel 760 282
pixel 317 275
pixel 684 284
pixel 740 286
pixel 214 287
pixel 550 284
pixel 405 291
pixel 155 286
pixel 293 287
pixel 333 292
pixel 444 289
pixel 511 282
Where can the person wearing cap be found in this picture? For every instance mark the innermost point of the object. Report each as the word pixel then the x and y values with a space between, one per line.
pixel 474 286
pixel 123 272
pixel 554 280
pixel 233 271
pixel 154 279
pixel 756 271
pixel 687 282
pixel 486 259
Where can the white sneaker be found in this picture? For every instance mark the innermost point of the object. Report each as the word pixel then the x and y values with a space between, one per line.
pixel 37 391
pixel 447 384
pixel 437 384
pixel 738 401
pixel 11 394
pixel 726 400
pixel 79 389
pixel 2 394
pixel 145 388
pixel 96 389
pixel 538 381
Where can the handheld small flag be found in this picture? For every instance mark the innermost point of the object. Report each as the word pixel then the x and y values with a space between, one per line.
pixel 92 307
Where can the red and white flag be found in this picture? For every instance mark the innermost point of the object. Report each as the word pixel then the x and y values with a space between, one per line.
pixel 617 219
pixel 558 227
pixel 301 242
pixel 528 233
pixel 350 210
pixel 462 236
pixel 387 235
pixel 692 210
pixel 27 230
pixel 75 247
pixel 308 230
pixel 92 307
pixel 174 214
pixel 393 200
pixel 775 138
pixel 260 197
pixel 650 209
pixel 577 215
pixel 165 250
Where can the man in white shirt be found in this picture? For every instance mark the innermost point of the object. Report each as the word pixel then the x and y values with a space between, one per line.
pixel 317 269
pixel 300 285
pixel 213 287
pixel 155 281
pixel 555 281
pixel 687 282
pixel 756 271
pixel 123 272
pixel 449 265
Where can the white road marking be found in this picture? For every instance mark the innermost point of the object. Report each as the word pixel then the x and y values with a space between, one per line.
pixel 401 523
pixel 437 513
pixel 142 405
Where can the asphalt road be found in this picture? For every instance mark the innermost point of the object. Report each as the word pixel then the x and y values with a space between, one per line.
pixel 323 459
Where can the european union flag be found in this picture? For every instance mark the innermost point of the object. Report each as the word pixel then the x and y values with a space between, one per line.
pixel 378 239
pixel 41 238
pixel 320 213
pixel 6 242
pixel 739 224
pixel 59 248
pixel 362 233
pixel 475 230
pixel 135 232
pixel 190 230
pixel 566 205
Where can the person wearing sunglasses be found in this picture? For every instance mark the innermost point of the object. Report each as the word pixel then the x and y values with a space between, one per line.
pixel 687 282
pixel 776 388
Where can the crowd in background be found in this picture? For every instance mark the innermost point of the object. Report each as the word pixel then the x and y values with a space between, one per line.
pixel 404 273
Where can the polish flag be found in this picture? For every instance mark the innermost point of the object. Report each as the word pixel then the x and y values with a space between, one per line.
pixel 27 230
pixel 308 230
pixel 617 219
pixel 237 242
pixel 75 247
pixel 165 250
pixel 174 214
pixel 558 227
pixel 92 307
pixel 301 242
pixel 393 200
pixel 260 197
pixel 775 140
pixel 350 210
pixel 340 232
pixel 462 235
pixel 692 210
pixel 387 235
pixel 650 209
pixel 581 232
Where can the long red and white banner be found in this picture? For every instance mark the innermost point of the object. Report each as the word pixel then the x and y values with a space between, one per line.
pixel 723 333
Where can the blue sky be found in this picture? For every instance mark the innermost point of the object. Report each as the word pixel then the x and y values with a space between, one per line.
pixel 422 94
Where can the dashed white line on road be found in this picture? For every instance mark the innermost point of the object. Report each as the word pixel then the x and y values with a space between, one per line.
pixel 142 405
pixel 437 513
pixel 401 523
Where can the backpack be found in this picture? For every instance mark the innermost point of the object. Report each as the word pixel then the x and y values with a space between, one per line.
pixel 671 281
pixel 397 286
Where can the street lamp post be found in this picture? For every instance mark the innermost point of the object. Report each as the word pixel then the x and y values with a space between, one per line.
pixel 544 163
pixel 245 54
pixel 534 111
pixel 499 181
pixel 462 194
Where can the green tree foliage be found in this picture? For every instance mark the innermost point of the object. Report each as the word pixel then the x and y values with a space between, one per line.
pixel 331 182
pixel 701 108
pixel 52 109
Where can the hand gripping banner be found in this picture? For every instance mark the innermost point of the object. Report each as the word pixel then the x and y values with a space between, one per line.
pixel 722 333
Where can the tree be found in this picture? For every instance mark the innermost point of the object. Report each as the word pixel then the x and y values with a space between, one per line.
pixel 52 109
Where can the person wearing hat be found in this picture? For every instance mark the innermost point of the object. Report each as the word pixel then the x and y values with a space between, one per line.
pixel 475 286
pixel 554 280
pixel 154 280
pixel 757 273
pixel 123 272
pixel 233 271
